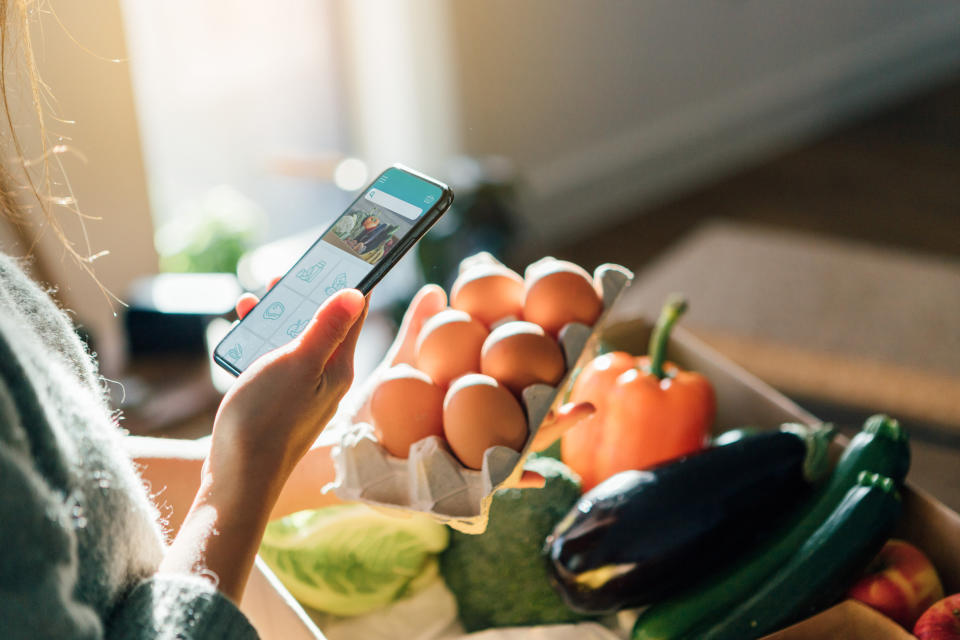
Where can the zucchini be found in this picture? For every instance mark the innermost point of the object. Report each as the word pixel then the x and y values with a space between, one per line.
pixel 824 568
pixel 880 447
pixel 640 534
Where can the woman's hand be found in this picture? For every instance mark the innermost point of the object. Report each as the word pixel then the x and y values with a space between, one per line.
pixel 315 470
pixel 265 424
pixel 279 405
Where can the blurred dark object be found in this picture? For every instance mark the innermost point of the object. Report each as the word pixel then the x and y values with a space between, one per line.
pixel 480 219
pixel 168 313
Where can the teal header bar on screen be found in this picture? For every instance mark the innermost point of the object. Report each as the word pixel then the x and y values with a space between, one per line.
pixel 408 187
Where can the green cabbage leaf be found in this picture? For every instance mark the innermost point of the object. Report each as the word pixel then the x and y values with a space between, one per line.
pixel 350 559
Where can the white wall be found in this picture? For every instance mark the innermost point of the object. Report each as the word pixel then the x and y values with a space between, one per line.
pixel 81 55
pixel 398 81
pixel 608 105
pixel 235 92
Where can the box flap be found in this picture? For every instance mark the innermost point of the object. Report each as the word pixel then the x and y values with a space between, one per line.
pixel 849 620
pixel 272 610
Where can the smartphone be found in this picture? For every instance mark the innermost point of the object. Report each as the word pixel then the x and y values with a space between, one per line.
pixel 356 251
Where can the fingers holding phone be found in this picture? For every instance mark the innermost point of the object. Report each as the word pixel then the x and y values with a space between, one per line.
pixel 269 419
pixel 293 349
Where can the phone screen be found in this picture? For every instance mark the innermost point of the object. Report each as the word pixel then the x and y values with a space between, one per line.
pixel 356 251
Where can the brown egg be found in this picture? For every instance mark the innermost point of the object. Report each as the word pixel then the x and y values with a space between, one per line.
pixel 488 292
pixel 449 346
pixel 559 292
pixel 479 413
pixel 406 407
pixel 519 354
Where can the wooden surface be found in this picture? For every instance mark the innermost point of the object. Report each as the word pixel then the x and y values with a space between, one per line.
pixel 816 317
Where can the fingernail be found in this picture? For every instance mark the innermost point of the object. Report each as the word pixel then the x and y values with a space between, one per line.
pixel 352 301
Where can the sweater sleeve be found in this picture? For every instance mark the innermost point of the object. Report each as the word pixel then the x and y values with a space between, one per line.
pixel 39 575
pixel 173 606
pixel 38 546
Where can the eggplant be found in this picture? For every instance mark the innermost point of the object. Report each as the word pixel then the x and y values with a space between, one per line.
pixel 644 535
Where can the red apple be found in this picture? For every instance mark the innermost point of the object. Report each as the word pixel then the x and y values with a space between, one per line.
pixel 941 621
pixel 900 583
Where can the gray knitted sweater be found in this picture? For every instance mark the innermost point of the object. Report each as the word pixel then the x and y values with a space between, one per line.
pixel 79 538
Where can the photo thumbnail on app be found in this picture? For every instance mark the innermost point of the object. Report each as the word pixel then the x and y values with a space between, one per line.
pixel 368 231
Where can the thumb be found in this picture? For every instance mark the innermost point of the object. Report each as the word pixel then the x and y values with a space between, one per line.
pixel 330 326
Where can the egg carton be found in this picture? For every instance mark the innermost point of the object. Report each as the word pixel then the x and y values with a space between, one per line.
pixel 431 480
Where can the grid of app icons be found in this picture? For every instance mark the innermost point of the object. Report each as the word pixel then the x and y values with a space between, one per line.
pixel 286 310
pixel 362 237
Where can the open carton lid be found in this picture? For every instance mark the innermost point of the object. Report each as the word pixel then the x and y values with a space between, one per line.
pixel 272 611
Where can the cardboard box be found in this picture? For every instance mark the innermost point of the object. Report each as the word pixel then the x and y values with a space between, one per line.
pixel 742 399
pixel 274 613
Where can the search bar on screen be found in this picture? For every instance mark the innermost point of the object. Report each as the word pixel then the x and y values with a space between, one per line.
pixel 394 204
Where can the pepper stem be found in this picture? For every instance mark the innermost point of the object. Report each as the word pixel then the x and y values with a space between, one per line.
pixel 672 310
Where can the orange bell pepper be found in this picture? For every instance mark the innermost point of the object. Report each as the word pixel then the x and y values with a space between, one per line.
pixel 648 410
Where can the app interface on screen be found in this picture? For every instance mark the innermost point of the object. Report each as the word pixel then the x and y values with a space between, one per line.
pixel 366 233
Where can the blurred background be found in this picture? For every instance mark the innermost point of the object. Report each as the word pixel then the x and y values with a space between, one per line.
pixel 791 166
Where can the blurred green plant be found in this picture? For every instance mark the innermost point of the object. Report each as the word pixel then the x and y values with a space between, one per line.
pixel 209 234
